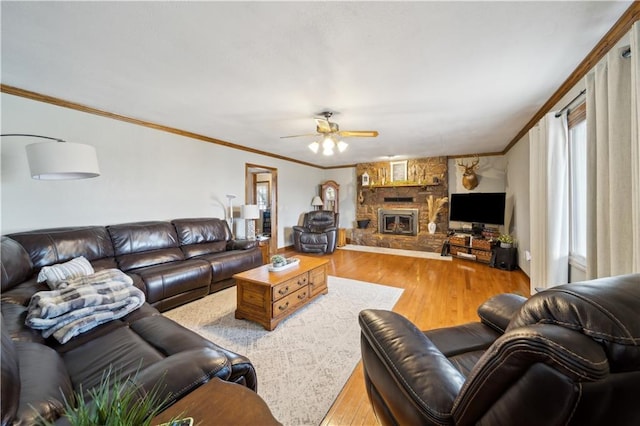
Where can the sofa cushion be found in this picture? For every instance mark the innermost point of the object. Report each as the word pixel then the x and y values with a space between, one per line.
pixel 170 279
pixel 51 246
pixel 55 274
pixel 15 263
pixel 225 265
pixel 45 383
pixel 202 235
pixel 141 244
pixel 10 392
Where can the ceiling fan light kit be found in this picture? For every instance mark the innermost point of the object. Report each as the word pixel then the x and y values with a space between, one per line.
pixel 332 136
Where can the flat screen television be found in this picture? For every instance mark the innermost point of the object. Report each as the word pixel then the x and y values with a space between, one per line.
pixel 478 207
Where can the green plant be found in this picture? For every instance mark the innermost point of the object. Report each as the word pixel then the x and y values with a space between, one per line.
pixel 115 402
pixel 278 259
pixel 505 238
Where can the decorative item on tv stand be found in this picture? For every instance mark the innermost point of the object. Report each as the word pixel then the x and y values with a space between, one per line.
pixel 434 208
pixel 506 241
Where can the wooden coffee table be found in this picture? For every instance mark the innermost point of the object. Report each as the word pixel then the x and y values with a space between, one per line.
pixel 269 297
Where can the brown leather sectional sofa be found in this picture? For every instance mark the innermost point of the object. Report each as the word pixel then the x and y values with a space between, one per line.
pixel 172 262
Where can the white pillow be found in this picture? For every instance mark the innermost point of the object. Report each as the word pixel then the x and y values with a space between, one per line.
pixel 55 274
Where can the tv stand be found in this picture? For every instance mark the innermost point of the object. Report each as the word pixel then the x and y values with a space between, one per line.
pixel 470 248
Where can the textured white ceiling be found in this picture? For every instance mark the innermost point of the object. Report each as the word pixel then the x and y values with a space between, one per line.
pixel 434 78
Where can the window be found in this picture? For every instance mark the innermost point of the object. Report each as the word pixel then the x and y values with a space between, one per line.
pixel 578 187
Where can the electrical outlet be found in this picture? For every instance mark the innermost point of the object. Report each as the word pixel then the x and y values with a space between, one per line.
pixel 527 255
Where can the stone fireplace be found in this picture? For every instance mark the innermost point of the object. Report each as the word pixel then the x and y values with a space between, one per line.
pixel 398 221
pixel 397 210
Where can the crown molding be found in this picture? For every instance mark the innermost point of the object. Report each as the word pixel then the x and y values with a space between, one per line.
pixel 90 110
pixel 619 29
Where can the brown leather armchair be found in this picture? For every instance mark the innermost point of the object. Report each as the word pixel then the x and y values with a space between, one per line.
pixel 318 233
pixel 569 355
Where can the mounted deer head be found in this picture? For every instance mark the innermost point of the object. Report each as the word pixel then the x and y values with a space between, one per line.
pixel 469 177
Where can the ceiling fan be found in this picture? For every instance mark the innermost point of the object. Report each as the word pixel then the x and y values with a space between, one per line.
pixel 332 135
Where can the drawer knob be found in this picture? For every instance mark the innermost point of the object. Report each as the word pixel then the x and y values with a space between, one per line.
pixel 283 291
pixel 302 296
pixel 283 307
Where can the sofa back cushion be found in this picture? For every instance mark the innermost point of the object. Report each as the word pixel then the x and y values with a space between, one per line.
pixel 202 235
pixel 15 264
pixel 50 246
pixel 141 244
pixel 320 220
pixel 605 309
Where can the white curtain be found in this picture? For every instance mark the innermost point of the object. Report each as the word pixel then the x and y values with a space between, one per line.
pixel 613 169
pixel 549 212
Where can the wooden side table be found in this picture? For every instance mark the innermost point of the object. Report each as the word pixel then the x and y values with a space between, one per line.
pixel 220 403
pixel 264 245
pixel 342 237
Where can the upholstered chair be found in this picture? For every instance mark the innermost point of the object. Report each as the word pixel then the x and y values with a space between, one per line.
pixel 570 355
pixel 318 233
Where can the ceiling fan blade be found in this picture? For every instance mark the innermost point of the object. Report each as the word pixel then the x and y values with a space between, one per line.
pixel 358 133
pixel 323 125
pixel 299 136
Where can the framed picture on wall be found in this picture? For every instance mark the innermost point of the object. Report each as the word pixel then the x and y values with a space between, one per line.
pixel 398 171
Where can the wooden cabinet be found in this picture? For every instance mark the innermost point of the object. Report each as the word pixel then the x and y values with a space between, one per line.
pixel 329 194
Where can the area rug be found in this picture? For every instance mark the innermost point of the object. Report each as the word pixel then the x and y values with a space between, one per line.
pixel 397 252
pixel 303 364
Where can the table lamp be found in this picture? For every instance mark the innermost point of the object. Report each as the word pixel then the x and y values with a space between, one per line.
pixel 317 202
pixel 250 212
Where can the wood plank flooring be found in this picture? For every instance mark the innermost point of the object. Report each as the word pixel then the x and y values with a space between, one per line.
pixel 436 294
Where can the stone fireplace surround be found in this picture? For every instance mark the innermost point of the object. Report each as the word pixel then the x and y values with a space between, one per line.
pixel 426 176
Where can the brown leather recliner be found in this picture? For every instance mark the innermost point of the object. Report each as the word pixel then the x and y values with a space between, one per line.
pixel 318 233
pixel 570 355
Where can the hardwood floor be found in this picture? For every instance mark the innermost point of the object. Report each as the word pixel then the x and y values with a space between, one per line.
pixel 436 293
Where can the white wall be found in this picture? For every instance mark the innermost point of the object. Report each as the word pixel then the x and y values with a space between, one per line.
pixel 517 188
pixel 146 174
pixel 346 178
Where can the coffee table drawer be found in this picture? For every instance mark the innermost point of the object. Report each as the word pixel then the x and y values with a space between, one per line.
pixel 290 302
pixel 287 287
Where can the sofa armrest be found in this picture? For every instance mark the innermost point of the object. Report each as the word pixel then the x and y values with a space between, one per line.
pixel 242 244
pixel 414 382
pixel 178 374
pixel 498 310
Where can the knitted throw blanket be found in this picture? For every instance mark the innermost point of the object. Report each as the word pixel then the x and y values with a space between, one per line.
pixel 82 303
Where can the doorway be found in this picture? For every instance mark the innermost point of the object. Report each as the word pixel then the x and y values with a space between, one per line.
pixel 261 188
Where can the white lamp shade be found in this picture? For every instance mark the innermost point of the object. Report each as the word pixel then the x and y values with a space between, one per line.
pixel 62 160
pixel 317 201
pixel 250 211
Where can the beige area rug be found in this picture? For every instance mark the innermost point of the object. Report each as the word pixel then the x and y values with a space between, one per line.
pixel 397 252
pixel 303 364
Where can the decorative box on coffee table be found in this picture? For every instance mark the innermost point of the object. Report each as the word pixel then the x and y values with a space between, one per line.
pixel 267 297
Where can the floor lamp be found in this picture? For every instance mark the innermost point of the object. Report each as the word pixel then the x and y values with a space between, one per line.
pixel 230 219
pixel 250 212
